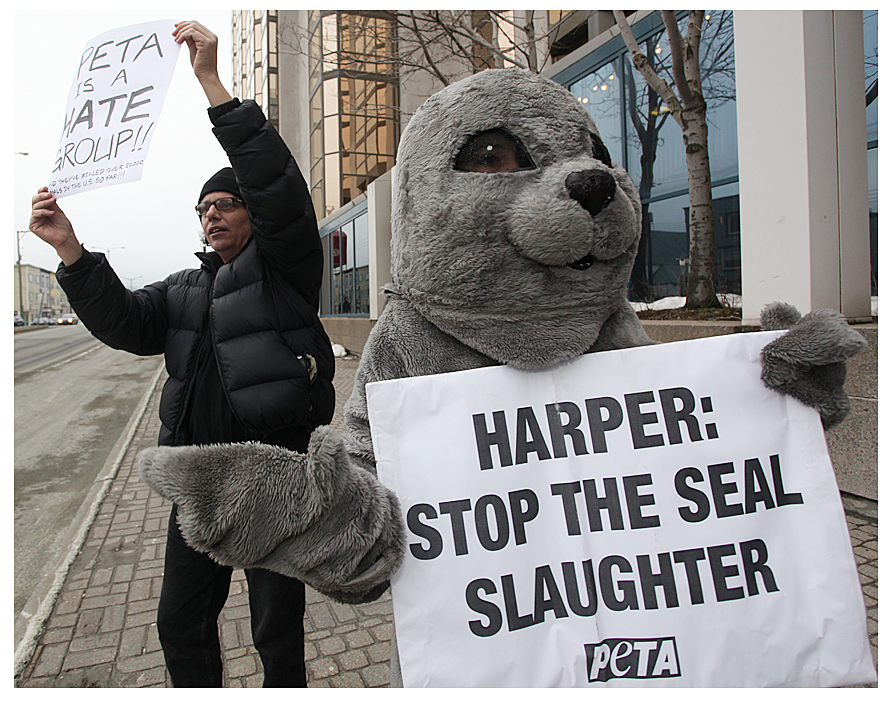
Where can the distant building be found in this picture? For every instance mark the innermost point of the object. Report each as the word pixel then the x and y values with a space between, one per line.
pixel 37 293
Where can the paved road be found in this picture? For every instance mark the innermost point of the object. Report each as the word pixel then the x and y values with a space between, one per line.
pixel 73 401
pixel 41 347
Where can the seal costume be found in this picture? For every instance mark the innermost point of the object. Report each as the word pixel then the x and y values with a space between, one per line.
pixel 522 262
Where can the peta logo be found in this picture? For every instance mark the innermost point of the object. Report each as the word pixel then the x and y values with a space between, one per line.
pixel 632 658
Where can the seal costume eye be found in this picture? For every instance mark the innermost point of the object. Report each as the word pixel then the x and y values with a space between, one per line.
pixel 493 151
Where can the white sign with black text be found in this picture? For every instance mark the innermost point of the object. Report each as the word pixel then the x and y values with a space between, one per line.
pixel 648 517
pixel 113 106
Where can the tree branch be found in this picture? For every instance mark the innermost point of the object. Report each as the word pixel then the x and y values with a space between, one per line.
pixel 474 35
pixel 529 46
pixel 677 49
pixel 530 37
pixel 450 30
pixel 525 48
pixel 692 59
pixel 425 52
pixel 643 66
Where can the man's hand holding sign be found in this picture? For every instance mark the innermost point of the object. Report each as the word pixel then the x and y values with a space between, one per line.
pixel 113 106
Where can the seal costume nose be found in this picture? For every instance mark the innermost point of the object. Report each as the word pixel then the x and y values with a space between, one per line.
pixel 592 189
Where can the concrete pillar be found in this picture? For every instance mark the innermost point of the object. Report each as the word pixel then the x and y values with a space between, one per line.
pixel 801 128
pixel 379 214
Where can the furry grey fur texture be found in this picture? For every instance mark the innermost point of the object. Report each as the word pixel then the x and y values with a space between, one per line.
pixel 483 275
pixel 809 361
pixel 313 517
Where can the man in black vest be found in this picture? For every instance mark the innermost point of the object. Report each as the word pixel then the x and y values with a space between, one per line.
pixel 247 357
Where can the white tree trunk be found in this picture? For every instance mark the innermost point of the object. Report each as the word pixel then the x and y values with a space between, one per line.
pixel 689 110
pixel 701 284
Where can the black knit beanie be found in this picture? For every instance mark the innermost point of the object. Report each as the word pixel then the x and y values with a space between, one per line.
pixel 224 181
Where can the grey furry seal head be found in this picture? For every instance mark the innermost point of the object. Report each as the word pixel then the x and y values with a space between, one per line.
pixel 526 260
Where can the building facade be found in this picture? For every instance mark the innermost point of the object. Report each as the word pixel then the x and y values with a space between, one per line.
pixel 788 114
pixel 37 294
pixel 641 133
pixel 254 61
pixel 341 86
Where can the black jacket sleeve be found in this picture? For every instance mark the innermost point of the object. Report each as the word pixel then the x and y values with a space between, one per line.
pixel 131 321
pixel 281 212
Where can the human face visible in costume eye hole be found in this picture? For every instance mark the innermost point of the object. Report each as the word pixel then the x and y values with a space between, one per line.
pixel 493 151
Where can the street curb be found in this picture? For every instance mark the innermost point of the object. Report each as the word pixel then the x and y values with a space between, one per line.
pixel 37 625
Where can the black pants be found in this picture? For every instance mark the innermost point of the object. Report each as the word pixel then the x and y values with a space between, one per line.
pixel 194 591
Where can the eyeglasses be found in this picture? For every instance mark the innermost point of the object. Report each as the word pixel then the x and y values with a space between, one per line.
pixel 222 204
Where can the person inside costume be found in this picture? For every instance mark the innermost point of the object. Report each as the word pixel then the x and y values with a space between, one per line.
pixel 513 238
pixel 247 357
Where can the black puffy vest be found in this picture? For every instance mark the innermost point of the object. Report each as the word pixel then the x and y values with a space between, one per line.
pixel 274 356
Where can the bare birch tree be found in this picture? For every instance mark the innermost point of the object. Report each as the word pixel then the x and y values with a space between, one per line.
pixel 647 115
pixel 688 108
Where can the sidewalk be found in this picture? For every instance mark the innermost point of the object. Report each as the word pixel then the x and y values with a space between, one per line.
pixel 101 631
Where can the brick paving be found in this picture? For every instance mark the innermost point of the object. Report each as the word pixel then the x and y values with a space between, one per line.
pixel 101 631
pixel 862 517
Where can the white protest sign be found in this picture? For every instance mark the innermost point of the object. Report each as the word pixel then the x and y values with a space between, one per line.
pixel 653 516
pixel 113 106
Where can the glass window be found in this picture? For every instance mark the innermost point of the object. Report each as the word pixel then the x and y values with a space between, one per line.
pixel 342 240
pixel 346 288
pixel 720 88
pixel 331 98
pixel 359 102
pixel 641 133
pixel 362 265
pixel 316 141
pixel 871 72
pixel 257 85
pixel 331 183
pixel 599 92
pixel 316 111
pixel 317 197
pixel 871 85
pixel 329 44
pixel 331 135
pixel 314 57
pixel 726 213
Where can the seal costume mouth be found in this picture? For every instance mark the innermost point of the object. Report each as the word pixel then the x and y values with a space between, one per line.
pixel 594 190
pixel 584 264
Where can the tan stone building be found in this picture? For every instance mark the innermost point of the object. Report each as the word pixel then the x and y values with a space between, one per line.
pixel 37 294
